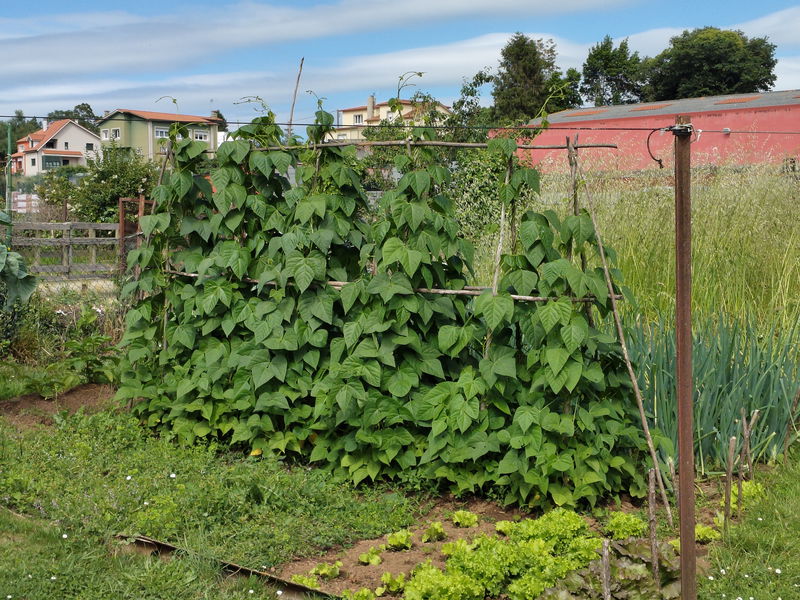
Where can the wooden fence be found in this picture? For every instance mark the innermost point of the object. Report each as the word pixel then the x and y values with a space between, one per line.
pixel 32 239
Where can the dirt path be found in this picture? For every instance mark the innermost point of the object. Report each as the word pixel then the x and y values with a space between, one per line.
pixel 32 410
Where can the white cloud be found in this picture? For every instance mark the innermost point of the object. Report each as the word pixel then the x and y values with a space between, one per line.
pixel 652 41
pixel 788 73
pixel 99 43
pixel 781 27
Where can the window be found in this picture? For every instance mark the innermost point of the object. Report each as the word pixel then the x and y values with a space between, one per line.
pixel 89 146
pixel 341 136
pixel 33 162
pixel 161 132
pixel 66 145
pixel 115 135
pixel 51 143
pixel 200 135
pixel 358 119
pixel 104 134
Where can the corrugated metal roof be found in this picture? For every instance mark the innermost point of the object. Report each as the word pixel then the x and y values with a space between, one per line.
pixel 677 107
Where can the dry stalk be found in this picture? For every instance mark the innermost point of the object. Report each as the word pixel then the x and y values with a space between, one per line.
pixel 651 513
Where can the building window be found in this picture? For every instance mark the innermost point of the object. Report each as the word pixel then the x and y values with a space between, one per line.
pixel 89 146
pixel 200 135
pixel 341 136
pixel 115 135
pixel 104 134
pixel 162 132
pixel 358 119
pixel 33 162
pixel 66 145
pixel 51 144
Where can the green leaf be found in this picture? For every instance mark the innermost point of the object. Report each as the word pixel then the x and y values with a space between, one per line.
pixel 523 282
pixel 556 358
pixel 281 160
pixel 352 332
pixel 502 145
pixel 573 370
pixel 259 161
pixel 184 334
pixel 555 312
pixel 494 309
pixel 574 333
pixel 402 380
pixel 350 293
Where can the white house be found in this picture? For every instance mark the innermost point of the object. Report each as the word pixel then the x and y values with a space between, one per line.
pixel 60 143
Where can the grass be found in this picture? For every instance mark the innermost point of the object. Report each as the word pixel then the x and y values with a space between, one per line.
pixel 760 558
pixel 100 475
pixel 746 239
pixel 37 562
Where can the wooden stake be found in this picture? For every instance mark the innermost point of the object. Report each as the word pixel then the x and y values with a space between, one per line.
pixel 740 499
pixel 729 481
pixel 674 477
pixel 294 99
pixel 651 513
pixel 790 424
pixel 606 571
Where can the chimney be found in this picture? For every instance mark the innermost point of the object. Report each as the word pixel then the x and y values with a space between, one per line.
pixel 106 113
pixel 371 106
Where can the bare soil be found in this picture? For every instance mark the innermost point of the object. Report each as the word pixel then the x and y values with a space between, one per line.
pixel 354 575
pixel 31 410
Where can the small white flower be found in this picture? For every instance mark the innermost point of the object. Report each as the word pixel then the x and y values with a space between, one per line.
pixel 760 519
pixel 778 571
pixel 711 578
pixel 9 597
pixel 746 575
pixel 53 578
pixel 147 503
pixel 128 478
pixel 279 592
pixel 64 536
pixel 722 571
pixel 172 475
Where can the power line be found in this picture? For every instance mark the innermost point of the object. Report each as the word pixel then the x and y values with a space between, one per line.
pixel 465 127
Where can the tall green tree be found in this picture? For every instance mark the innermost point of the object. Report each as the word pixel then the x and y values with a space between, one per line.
pixel 20 127
pixel 81 113
pixel 710 62
pixel 612 75
pixel 528 81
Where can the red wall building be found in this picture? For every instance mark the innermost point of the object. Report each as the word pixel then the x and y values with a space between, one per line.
pixel 724 125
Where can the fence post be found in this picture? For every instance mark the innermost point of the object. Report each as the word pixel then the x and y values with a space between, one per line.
pixel 92 248
pixel 683 346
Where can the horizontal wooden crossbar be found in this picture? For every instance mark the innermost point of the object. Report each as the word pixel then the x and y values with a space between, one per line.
pixel 470 291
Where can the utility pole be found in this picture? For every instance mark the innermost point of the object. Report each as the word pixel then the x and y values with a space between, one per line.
pixel 683 346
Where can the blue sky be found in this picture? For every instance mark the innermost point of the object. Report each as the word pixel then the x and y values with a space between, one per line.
pixel 209 55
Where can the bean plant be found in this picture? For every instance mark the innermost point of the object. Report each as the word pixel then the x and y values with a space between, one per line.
pixel 292 318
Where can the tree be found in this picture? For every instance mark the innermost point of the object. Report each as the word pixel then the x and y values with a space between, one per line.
pixel 710 62
pixel 20 127
pixel 564 91
pixel 118 173
pixel 524 82
pixel 222 122
pixel 612 75
pixel 81 113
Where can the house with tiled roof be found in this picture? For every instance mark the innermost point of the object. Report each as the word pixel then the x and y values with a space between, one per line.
pixel 60 143
pixel 147 132
pixel 352 121
pixel 736 129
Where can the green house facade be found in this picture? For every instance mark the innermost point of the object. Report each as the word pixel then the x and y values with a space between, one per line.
pixel 147 132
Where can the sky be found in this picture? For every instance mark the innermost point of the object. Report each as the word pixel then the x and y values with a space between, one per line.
pixel 194 57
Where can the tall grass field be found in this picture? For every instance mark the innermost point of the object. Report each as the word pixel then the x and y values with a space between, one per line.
pixel 745 293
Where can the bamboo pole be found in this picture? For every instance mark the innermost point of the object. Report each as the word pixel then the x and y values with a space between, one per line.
pixel 473 291
pixel 606 560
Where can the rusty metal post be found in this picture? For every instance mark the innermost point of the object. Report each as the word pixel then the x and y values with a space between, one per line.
pixel 683 329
